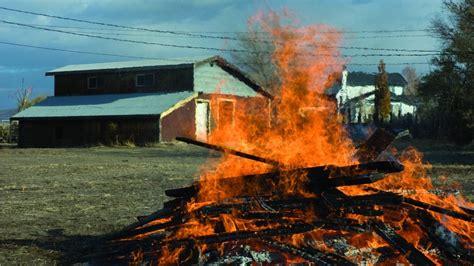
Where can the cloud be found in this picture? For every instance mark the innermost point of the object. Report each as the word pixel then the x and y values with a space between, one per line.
pixel 193 16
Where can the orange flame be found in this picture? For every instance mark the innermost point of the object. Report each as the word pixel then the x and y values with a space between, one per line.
pixel 301 128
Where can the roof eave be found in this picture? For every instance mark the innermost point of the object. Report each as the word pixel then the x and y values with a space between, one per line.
pixel 124 69
pixel 83 117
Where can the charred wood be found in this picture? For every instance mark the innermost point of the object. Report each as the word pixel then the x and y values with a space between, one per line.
pixel 412 254
pixel 229 151
pixel 371 149
pixel 309 253
pixel 446 241
pixel 320 178
pixel 290 229
pixel 434 208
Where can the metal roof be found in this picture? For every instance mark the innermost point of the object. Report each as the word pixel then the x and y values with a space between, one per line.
pixel 105 105
pixel 393 98
pixel 140 64
pixel 368 79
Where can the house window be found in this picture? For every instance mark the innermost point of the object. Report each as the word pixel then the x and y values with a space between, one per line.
pixel 144 80
pixel 92 82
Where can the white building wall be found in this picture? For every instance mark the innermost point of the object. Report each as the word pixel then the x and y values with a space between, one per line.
pixel 211 78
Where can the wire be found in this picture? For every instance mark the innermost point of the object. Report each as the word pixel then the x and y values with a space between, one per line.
pixel 168 59
pixel 114 25
pixel 188 33
pixel 76 51
pixel 337 47
pixel 184 32
pixel 196 47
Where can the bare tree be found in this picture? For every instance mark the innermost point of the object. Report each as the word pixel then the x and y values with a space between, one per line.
pixel 23 98
pixel 409 73
pixel 257 60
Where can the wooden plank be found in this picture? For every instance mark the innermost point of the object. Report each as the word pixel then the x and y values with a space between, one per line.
pixel 229 151
pixel 412 254
pixel 371 149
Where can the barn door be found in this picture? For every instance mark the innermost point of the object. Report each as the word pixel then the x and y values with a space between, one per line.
pixel 202 120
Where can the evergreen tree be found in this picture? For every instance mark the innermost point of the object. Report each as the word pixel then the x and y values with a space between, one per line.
pixel 382 96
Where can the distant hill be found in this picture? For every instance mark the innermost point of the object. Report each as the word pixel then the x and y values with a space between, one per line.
pixel 5 114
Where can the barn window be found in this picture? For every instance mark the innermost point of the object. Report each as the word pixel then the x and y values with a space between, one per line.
pixel 92 82
pixel 144 80
pixel 95 82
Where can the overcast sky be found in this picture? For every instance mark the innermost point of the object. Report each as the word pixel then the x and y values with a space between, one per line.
pixel 223 16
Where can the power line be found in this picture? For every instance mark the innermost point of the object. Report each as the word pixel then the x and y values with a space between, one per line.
pixel 267 40
pixel 241 32
pixel 168 59
pixel 194 47
pixel 189 34
pixel 114 25
pixel 185 32
pixel 392 36
pixel 324 46
pixel 121 40
pixel 75 51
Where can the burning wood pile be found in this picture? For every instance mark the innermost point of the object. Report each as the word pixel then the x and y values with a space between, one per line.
pixel 326 226
pixel 294 188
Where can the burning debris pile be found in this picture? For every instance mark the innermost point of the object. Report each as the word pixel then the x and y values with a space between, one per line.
pixel 296 189
pixel 326 226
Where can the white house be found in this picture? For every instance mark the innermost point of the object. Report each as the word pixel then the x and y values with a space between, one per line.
pixel 355 96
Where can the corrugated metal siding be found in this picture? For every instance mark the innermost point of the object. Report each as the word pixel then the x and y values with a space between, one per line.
pixel 165 80
pixel 210 78
pixel 69 133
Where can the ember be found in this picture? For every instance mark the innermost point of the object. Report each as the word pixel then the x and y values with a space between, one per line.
pixel 298 190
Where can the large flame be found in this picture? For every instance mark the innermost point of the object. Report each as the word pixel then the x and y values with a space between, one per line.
pixel 301 128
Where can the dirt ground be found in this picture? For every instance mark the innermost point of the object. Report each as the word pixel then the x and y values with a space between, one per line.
pixel 54 200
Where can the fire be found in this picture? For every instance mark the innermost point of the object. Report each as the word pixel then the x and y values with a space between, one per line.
pixel 301 128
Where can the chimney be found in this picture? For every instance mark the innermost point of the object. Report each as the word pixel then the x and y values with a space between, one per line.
pixel 344 78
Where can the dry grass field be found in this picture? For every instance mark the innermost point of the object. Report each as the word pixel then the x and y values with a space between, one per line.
pixel 55 200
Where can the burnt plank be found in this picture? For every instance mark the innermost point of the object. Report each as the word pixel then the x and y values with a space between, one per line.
pixel 434 208
pixel 340 200
pixel 320 178
pixel 390 196
pixel 371 149
pixel 412 254
pixel 288 229
pixel 229 151
pixel 181 192
pixel 446 241
pixel 310 254
pixel 160 214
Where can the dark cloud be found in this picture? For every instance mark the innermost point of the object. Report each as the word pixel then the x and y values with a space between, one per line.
pixel 194 16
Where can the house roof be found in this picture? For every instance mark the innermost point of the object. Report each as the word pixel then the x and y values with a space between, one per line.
pixel 393 98
pixel 133 65
pixel 334 89
pixel 104 105
pixel 365 79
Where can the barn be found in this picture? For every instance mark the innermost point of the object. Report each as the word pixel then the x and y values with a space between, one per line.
pixel 144 101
